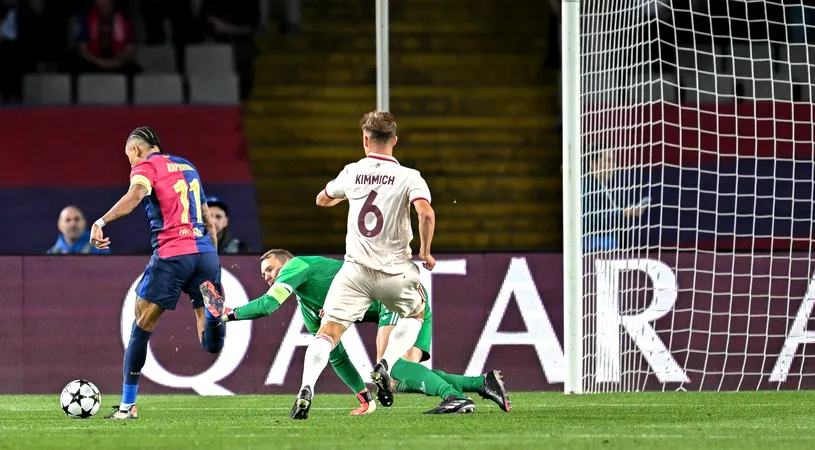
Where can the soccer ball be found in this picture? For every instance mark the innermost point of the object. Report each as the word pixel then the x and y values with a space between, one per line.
pixel 80 399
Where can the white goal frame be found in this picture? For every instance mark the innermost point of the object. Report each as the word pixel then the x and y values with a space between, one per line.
pixel 731 305
pixel 572 205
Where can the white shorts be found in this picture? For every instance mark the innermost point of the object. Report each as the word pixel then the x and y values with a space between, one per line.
pixel 355 287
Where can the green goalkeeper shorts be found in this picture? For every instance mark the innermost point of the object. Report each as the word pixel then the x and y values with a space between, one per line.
pixel 425 334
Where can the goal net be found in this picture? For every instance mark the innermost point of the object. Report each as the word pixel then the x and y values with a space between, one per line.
pixel 696 191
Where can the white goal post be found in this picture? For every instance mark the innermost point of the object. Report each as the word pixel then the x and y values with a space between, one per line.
pixel 689 191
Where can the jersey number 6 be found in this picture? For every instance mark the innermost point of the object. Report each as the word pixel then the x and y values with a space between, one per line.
pixel 183 191
pixel 369 207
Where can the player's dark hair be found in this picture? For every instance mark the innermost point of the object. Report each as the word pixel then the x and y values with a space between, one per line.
pixel 278 253
pixel 379 126
pixel 147 135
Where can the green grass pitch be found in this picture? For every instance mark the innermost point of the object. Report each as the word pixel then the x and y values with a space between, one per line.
pixel 675 420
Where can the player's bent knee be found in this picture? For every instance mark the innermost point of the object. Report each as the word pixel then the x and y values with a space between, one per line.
pixel 413 355
pixel 331 329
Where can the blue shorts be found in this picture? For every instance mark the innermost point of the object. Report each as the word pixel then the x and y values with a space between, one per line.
pixel 165 279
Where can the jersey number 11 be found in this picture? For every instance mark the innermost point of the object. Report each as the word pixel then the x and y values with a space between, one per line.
pixel 183 191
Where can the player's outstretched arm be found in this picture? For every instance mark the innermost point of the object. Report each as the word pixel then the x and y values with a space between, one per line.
pixel 259 307
pixel 123 207
pixel 427 226
pixel 334 192
pixel 326 201
pixel 209 224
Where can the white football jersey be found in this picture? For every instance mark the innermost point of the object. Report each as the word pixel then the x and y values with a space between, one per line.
pixel 379 192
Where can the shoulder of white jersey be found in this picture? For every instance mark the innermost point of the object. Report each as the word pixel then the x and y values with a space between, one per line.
pixel 411 172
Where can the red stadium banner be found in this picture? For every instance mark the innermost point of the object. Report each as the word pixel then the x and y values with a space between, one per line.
pixel 689 321
pixel 705 134
pixel 84 147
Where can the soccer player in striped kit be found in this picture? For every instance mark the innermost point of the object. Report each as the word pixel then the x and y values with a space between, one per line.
pixel 184 252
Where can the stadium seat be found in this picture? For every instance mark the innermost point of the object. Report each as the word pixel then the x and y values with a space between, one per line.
pixel 754 62
pixel 800 61
pixel 107 89
pixel 158 89
pixel 763 90
pixel 209 59
pixel 704 58
pixel 707 88
pixel 47 90
pixel 650 87
pixel 221 89
pixel 156 59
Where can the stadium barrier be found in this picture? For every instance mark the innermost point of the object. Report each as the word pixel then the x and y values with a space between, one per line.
pixel 39 176
pixel 729 322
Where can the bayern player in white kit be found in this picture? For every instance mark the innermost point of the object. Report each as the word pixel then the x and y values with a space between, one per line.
pixel 378 260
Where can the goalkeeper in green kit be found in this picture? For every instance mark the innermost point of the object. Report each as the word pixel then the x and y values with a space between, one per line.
pixel 309 277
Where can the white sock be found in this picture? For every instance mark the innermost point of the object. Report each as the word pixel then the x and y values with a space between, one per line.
pixel 402 338
pixel 316 358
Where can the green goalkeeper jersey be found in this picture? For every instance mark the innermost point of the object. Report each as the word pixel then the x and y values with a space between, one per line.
pixel 307 277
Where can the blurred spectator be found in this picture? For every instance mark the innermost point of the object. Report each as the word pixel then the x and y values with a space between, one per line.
pixel 227 243
pixel 178 12
pixel 74 236
pixel 43 37
pixel 604 222
pixel 292 16
pixel 105 41
pixel 9 69
pixel 235 22
pixel 800 18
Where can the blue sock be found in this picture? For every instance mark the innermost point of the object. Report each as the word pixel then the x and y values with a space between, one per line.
pixel 214 334
pixel 135 355
pixel 129 394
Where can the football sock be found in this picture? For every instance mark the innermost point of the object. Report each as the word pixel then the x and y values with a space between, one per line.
pixel 345 370
pixel 135 355
pixel 402 338
pixel 460 382
pixel 419 377
pixel 401 386
pixel 214 334
pixel 316 358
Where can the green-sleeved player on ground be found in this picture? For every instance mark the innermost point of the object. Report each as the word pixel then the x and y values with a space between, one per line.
pixel 309 277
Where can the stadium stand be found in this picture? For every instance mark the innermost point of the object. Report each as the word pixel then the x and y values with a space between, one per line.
pixel 47 90
pixel 102 89
pixel 214 89
pixel 158 89
pixel 156 58
pixel 472 118
pixel 39 178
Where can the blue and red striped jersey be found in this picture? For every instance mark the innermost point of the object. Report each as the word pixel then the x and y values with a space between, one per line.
pixel 173 205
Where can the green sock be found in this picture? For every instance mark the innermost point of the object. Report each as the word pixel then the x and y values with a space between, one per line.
pixel 460 382
pixel 419 378
pixel 401 386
